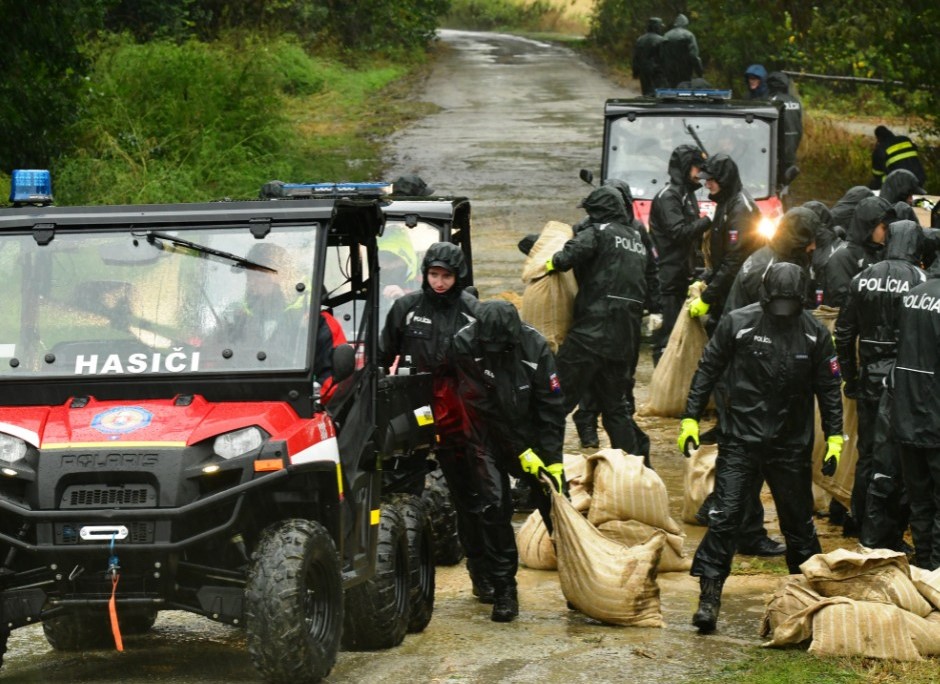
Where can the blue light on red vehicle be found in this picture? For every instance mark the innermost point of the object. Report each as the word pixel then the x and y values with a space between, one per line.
pixel 31 186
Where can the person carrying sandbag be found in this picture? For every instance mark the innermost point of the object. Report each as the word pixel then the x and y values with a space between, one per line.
pixel 774 357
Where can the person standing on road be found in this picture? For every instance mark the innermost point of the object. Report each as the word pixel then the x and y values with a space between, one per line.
pixel 893 152
pixel 755 77
pixel 647 58
pixel 866 337
pixel 609 262
pixel 677 227
pixel 516 418
pixel 679 50
pixel 733 239
pixel 774 357
pixel 915 419
pixel 778 86
pixel 864 245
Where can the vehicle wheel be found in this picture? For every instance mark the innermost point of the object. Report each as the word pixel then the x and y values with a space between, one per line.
pixel 378 610
pixel 4 635
pixel 138 621
pixel 78 631
pixel 447 547
pixel 420 558
pixel 294 602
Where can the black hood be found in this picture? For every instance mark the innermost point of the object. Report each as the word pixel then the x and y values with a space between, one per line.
pixel 899 185
pixel 782 289
pixel 825 235
pixel 905 241
pixel 778 82
pixel 681 161
pixel 902 211
pixel 868 214
pixel 722 168
pixel 681 21
pixel 498 324
pixel 446 255
pixel 843 209
pixel 656 25
pixel 626 194
pixel 605 205
pixel 797 230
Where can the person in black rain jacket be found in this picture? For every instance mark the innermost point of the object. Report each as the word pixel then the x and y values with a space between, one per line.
pixel 827 244
pixel 900 186
pixel 864 244
pixel 868 323
pixel 778 83
pixel 774 357
pixel 894 152
pixel 647 58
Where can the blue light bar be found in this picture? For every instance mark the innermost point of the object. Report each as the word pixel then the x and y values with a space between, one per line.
pixel 703 93
pixel 31 186
pixel 281 190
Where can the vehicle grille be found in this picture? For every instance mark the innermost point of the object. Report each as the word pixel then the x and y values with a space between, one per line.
pixel 107 496
pixel 138 533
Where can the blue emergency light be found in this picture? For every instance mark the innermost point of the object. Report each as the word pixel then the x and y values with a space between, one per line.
pixel 31 186
pixel 702 93
pixel 281 190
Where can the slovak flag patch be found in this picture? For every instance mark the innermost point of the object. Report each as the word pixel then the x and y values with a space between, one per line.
pixel 733 237
pixel 553 383
pixel 834 367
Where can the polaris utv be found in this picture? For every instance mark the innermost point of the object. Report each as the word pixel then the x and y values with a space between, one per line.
pixel 166 444
pixel 641 133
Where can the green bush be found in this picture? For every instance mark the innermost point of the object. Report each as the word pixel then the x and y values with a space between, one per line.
pixel 490 15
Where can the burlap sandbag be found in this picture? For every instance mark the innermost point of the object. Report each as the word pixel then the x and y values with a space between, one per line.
pixel 839 485
pixel 793 594
pixel 841 626
pixel 699 480
pixel 634 533
pixel 622 488
pixel 602 578
pixel 548 300
pixel 535 544
pixel 928 584
pixel 672 376
pixel 878 576
pixel 575 472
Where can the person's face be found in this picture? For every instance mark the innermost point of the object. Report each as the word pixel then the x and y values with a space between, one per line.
pixel 693 173
pixel 811 247
pixel 878 234
pixel 712 185
pixel 753 82
pixel 440 279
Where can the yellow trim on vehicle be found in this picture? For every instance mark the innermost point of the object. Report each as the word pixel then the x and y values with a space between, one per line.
pixel 376 515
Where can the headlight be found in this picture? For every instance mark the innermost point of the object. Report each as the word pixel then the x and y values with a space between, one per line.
pixel 767 227
pixel 234 444
pixel 12 449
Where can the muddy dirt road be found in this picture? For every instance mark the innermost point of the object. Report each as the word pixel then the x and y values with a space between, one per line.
pixel 517 120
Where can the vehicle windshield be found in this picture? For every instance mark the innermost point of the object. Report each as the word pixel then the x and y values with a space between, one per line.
pixel 401 251
pixel 143 303
pixel 640 149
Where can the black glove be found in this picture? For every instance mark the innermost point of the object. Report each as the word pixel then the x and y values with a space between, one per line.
pixel 702 224
pixel 850 388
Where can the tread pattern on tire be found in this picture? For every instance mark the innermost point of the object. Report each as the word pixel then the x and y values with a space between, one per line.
pixel 420 558
pixel 447 547
pixel 277 597
pixel 378 610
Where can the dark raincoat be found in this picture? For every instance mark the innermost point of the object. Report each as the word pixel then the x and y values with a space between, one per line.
pixel 827 244
pixel 779 86
pixel 679 51
pixel 859 253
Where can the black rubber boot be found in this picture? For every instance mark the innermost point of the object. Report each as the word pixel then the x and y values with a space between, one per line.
pixel 587 430
pixel 483 589
pixel 709 602
pixel 763 546
pixel 506 605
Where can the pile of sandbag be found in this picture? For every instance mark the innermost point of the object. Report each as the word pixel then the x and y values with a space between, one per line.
pixel 672 376
pixel 848 603
pixel 611 539
pixel 839 486
pixel 548 301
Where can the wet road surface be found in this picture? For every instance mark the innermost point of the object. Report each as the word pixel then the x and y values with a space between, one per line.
pixel 517 119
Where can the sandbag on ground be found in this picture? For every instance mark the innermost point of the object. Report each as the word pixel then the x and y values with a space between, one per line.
pixel 602 578
pixel 698 480
pixel 635 533
pixel 548 300
pixel 928 584
pixel 672 376
pixel 792 596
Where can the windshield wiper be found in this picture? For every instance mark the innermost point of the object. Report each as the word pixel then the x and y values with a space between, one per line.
pixel 153 236
pixel 692 132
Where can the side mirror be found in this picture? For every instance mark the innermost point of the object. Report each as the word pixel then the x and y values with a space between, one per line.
pixel 587 176
pixel 344 362
pixel 790 174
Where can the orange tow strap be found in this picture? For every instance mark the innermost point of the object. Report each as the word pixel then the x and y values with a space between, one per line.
pixel 112 612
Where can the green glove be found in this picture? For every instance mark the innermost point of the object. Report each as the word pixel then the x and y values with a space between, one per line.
pixel 531 463
pixel 833 452
pixel 549 266
pixel 556 471
pixel 698 308
pixel 688 432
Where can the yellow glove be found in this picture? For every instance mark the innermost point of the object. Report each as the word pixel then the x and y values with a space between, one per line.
pixel 688 432
pixel 698 308
pixel 833 452
pixel 557 472
pixel 531 463
pixel 549 266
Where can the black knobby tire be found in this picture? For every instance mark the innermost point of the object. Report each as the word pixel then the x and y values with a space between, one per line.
pixel 440 504
pixel 420 558
pixel 294 603
pixel 378 610
pixel 81 630
pixel 139 621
